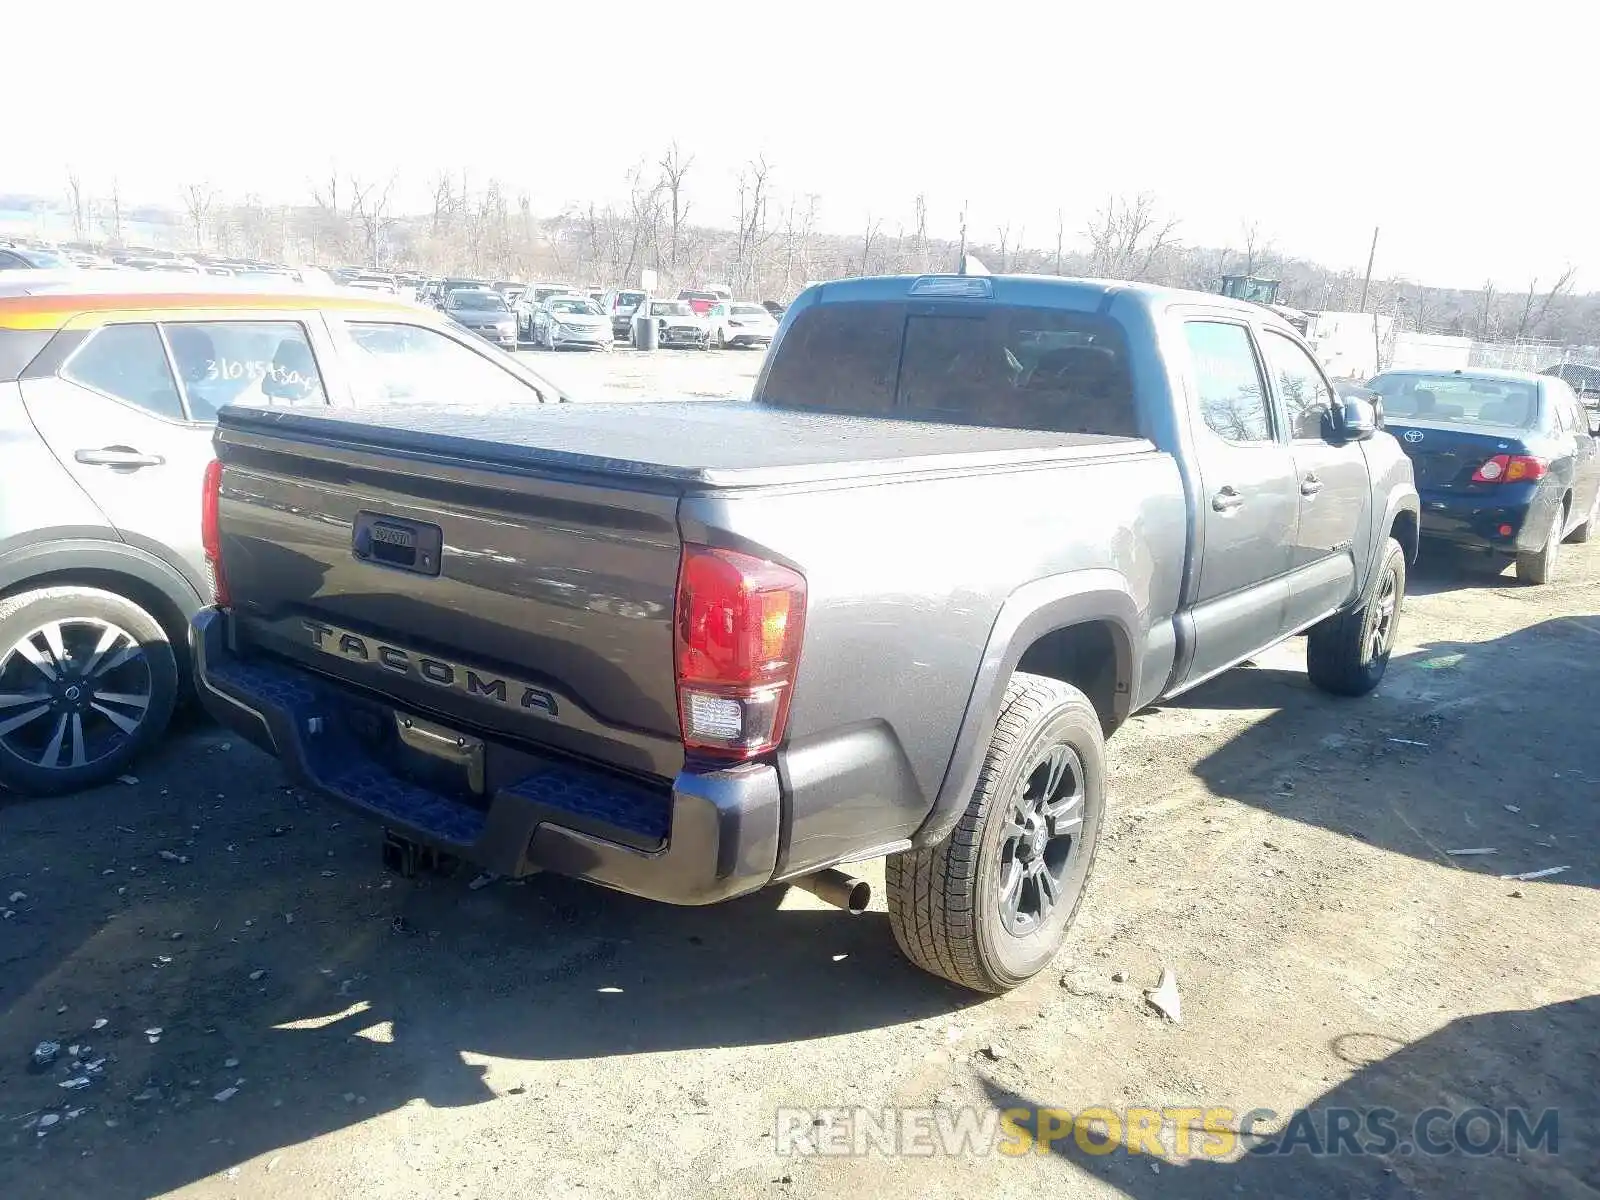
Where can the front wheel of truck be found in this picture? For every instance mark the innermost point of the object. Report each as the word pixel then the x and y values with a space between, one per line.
pixel 989 907
pixel 1348 653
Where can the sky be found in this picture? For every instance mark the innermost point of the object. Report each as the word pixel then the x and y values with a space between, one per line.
pixel 1465 133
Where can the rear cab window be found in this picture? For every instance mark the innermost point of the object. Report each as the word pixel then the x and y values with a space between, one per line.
pixel 1227 380
pixel 1008 366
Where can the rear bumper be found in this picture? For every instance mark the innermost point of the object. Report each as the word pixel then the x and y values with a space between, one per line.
pixel 714 835
pixel 1506 522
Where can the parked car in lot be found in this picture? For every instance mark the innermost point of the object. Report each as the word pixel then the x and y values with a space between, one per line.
pixel 620 306
pixel 633 646
pixel 1585 381
pixel 571 321
pixel 702 299
pixel 741 323
pixel 528 303
pixel 110 385
pixel 1505 461
pixel 483 311
pixel 16 257
pixel 678 325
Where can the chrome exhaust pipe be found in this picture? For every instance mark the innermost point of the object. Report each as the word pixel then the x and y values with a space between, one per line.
pixel 834 887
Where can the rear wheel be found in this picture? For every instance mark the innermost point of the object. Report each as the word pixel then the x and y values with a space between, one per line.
pixel 989 907
pixel 88 680
pixel 1348 653
pixel 1539 566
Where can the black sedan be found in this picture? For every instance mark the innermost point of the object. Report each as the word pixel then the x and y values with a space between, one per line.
pixel 1504 461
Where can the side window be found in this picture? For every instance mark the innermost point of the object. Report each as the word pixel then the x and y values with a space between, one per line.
pixel 251 362
pixel 1233 402
pixel 129 363
pixel 399 364
pixel 1306 396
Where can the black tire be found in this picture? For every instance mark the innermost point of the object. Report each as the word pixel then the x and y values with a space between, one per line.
pixel 107 734
pixel 1586 531
pixel 1348 653
pixel 1539 566
pixel 945 901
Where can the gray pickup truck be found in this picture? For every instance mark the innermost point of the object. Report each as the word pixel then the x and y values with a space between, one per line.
pixel 892 607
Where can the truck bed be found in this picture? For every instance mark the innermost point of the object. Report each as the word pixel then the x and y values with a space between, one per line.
pixel 690 444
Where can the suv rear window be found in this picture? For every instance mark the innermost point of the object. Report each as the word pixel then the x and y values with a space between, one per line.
pixel 970 364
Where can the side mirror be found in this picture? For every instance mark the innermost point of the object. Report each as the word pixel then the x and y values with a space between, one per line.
pixel 1359 419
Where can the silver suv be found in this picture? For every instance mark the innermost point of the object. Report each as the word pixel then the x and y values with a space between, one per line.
pixel 110 383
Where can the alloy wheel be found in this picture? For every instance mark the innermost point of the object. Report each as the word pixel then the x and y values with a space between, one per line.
pixel 1040 839
pixel 72 692
pixel 1384 606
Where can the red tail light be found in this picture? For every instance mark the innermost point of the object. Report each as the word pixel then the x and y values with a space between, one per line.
pixel 1511 468
pixel 211 531
pixel 738 630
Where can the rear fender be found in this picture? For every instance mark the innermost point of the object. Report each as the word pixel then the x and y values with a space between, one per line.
pixel 1029 613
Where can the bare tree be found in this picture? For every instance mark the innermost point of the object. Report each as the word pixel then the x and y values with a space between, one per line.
pixel 919 211
pixel 75 200
pixel 1486 313
pixel 867 240
pixel 370 211
pixel 1061 237
pixel 116 212
pixel 1126 236
pixel 1252 244
pixel 754 194
pixel 674 168
pixel 198 199
pixel 1561 287
pixel 961 251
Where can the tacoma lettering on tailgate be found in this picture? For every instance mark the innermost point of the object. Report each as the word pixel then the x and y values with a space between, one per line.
pixel 469 681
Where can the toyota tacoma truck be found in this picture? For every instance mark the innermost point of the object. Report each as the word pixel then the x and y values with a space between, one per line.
pixel 890 606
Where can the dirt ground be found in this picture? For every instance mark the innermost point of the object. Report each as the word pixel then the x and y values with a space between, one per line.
pixel 327 1030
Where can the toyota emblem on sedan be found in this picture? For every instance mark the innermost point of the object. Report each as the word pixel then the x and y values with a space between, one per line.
pixel 1413 435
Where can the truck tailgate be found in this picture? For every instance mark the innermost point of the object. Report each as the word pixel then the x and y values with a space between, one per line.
pixel 518 602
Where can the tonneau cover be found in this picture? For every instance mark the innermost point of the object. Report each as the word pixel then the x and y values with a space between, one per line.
pixel 713 444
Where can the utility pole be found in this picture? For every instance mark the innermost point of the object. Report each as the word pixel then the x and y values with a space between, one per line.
pixel 961 255
pixel 1371 256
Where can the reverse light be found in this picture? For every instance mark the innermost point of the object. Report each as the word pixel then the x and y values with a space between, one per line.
pixel 737 637
pixel 211 532
pixel 1511 468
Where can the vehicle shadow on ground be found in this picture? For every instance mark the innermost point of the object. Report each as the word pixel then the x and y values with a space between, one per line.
pixel 1465 745
pixel 1538 1061
pixel 1441 568
pixel 373 991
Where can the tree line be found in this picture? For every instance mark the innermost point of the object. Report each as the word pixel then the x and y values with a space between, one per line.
pixel 768 240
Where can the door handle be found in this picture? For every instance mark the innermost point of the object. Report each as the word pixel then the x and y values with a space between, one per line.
pixel 1226 500
pixel 118 456
pixel 1310 485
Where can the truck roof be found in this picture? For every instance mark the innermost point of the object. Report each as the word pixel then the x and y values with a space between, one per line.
pixel 710 444
pixel 1048 291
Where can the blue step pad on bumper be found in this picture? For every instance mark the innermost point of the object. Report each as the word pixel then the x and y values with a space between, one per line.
pixel 602 804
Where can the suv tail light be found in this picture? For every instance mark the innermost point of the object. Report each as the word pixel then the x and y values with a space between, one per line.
pixel 737 640
pixel 211 532
pixel 1511 468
